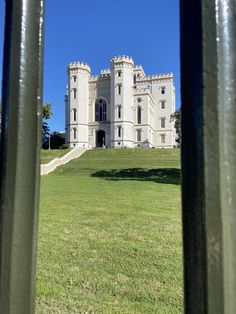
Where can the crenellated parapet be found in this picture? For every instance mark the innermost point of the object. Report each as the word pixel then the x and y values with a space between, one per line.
pixel 122 58
pixel 158 77
pixel 117 61
pixel 105 73
pixel 78 67
pixel 94 78
pixel 139 72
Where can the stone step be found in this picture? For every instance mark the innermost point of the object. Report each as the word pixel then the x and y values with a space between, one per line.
pixel 53 164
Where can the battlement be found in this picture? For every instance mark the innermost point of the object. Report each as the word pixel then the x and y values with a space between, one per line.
pixel 122 58
pixel 158 76
pixel 93 78
pixel 79 65
pixel 138 67
pixel 105 72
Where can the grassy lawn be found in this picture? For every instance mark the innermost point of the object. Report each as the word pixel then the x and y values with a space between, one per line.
pixel 48 155
pixel 110 234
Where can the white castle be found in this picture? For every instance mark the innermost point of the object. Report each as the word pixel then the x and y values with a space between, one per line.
pixel 121 107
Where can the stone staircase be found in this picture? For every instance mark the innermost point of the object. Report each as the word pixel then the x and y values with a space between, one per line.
pixel 53 164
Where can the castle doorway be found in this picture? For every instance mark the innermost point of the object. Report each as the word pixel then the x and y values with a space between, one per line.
pixel 100 138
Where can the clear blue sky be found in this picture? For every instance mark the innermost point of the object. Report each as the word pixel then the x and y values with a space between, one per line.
pixel 93 31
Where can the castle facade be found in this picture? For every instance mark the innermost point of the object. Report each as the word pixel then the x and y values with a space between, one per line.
pixel 121 107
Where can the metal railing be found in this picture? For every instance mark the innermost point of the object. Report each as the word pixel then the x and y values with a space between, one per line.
pixel 208 75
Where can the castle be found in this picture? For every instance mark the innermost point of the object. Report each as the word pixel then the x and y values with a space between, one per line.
pixel 121 107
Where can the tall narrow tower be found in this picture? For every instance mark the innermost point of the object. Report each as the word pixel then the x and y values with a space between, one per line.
pixel 77 105
pixel 122 68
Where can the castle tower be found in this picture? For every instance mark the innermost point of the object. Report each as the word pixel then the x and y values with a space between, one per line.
pixel 66 116
pixel 77 105
pixel 122 68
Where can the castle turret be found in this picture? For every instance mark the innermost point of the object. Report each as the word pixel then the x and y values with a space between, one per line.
pixel 122 81
pixel 67 111
pixel 77 105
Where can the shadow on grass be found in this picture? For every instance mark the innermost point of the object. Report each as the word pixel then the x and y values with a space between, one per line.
pixel 160 175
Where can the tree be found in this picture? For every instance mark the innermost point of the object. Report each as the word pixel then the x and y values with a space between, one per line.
pixel 46 111
pixel 176 117
pixel 46 114
pixel 57 139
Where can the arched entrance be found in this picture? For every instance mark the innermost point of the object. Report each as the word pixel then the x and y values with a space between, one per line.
pixel 100 138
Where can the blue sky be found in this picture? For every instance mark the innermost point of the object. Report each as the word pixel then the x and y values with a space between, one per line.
pixel 93 31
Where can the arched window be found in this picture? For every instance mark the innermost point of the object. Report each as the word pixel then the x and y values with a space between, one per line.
pixel 139 115
pixel 100 110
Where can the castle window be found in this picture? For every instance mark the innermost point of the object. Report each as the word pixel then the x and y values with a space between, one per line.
pixel 119 89
pixel 74 133
pixel 163 122
pixel 139 115
pixel 74 78
pixel 163 104
pixel 163 90
pixel 100 110
pixel 75 114
pixel 163 138
pixel 119 111
pixel 119 131
pixel 134 78
pixel 139 138
pixel 74 92
pixel 119 73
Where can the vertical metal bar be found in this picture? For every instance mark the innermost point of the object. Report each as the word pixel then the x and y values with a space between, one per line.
pixel 20 148
pixel 192 156
pixel 226 42
pixel 208 78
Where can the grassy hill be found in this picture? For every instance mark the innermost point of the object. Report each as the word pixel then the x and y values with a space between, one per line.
pixel 48 155
pixel 110 234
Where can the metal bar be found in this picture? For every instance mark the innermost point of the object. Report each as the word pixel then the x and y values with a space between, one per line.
pixel 226 42
pixel 192 157
pixel 20 148
pixel 208 78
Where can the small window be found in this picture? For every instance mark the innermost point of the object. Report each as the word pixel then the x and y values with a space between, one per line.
pixel 119 73
pixel 74 77
pixel 119 131
pixel 163 104
pixel 74 133
pixel 74 93
pixel 163 90
pixel 163 138
pixel 139 115
pixel 119 111
pixel 134 78
pixel 163 122
pixel 119 89
pixel 139 135
pixel 75 114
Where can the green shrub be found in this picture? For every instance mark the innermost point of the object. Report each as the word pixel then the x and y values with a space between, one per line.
pixel 65 146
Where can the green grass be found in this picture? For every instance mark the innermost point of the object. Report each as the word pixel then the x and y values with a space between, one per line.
pixel 48 155
pixel 110 234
